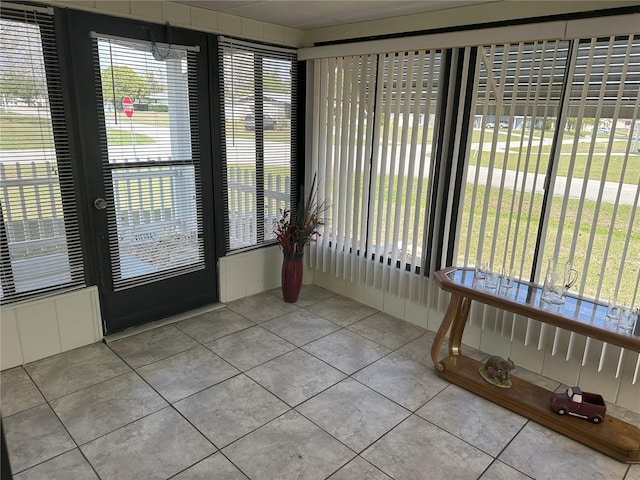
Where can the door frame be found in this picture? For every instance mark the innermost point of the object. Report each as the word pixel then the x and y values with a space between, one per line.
pixel 119 310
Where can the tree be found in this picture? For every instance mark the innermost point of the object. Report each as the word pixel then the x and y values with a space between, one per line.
pixel 22 86
pixel 274 84
pixel 22 75
pixel 155 84
pixel 119 81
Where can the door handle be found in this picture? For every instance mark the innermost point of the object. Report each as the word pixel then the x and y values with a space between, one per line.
pixel 100 203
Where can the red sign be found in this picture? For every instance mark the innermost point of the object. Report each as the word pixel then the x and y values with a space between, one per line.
pixel 127 106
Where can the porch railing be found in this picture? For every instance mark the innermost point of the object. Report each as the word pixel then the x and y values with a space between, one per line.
pixel 241 184
pixel 28 192
pixel 34 228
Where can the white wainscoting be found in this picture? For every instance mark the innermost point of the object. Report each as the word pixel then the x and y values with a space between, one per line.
pixel 500 333
pixel 247 273
pixel 37 329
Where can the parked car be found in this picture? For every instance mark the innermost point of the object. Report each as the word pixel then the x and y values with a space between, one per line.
pixel 502 124
pixel 589 406
pixel 268 123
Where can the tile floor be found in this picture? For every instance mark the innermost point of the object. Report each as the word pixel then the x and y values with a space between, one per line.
pixel 261 389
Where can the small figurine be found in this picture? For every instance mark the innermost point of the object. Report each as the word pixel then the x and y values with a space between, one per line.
pixel 496 371
pixel 574 401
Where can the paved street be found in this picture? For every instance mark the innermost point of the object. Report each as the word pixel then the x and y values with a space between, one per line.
pixel 610 190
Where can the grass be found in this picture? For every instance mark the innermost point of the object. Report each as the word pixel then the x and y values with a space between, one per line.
pixel 584 220
pixel 156 119
pixel 26 132
pixel 122 137
pixel 592 165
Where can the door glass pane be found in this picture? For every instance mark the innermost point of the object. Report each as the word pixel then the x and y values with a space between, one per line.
pixel 156 219
pixel 151 174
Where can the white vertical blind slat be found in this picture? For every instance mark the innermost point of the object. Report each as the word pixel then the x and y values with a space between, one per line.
pixel 366 115
pixel 324 155
pixel 407 163
pixel 343 149
pixel 379 240
pixel 332 138
pixel 411 179
pixel 419 233
pixel 316 113
pixel 349 211
pixel 373 234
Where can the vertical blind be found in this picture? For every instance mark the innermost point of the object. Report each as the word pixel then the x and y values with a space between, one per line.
pixel 516 101
pixel 39 237
pixel 260 131
pixel 374 130
pixel 594 219
pixel 539 160
pixel 553 170
pixel 550 166
pixel 150 158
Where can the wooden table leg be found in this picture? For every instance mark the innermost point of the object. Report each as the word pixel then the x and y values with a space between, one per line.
pixel 452 312
pixel 457 328
pixel 456 319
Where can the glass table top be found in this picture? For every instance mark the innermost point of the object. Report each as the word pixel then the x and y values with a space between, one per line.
pixel 583 310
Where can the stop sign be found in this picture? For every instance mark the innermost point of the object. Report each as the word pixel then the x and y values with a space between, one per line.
pixel 127 106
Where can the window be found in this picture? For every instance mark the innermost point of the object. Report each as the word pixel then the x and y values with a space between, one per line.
pixel 509 154
pixel 259 128
pixel 39 239
pixel 375 119
pixel 553 163
pixel 517 99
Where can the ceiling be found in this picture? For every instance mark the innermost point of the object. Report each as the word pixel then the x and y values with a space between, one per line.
pixel 310 14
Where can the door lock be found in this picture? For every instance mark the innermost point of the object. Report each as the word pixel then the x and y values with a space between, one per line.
pixel 100 203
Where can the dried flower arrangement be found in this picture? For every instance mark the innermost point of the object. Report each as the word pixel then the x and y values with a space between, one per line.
pixel 294 232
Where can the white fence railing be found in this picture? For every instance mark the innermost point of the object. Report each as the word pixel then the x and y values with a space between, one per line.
pixel 147 203
pixel 28 192
pixel 241 184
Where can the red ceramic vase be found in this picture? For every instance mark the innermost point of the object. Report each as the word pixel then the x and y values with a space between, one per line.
pixel 291 276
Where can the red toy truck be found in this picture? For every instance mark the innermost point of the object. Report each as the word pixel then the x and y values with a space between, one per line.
pixel 589 406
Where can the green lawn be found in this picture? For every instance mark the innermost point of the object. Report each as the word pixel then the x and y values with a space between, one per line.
pixel 503 238
pixel 122 137
pixel 157 119
pixel 513 159
pixel 26 132
pixel 23 132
